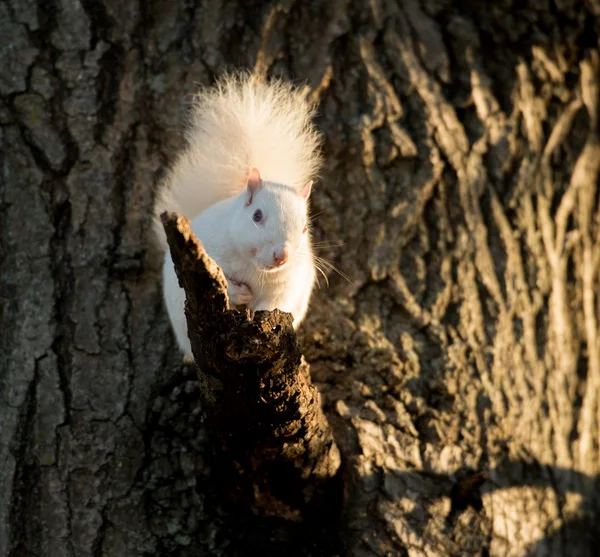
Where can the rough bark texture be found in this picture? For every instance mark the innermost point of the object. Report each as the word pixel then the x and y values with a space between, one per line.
pixel 460 369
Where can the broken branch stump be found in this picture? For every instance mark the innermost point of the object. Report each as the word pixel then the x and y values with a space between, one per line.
pixel 270 434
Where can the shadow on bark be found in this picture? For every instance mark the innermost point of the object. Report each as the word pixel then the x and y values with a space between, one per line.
pixel 467 526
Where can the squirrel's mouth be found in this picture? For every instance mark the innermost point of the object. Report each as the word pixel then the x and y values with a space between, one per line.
pixel 273 268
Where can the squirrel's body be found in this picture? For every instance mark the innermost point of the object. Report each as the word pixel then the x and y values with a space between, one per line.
pixel 244 181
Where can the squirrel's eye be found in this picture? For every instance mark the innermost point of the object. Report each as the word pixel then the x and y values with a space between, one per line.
pixel 257 216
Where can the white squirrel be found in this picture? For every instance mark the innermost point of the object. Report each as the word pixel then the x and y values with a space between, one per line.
pixel 244 180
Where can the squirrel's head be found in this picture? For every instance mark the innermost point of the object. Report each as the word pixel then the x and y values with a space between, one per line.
pixel 274 222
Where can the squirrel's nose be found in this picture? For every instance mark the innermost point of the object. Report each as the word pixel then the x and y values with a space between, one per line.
pixel 280 256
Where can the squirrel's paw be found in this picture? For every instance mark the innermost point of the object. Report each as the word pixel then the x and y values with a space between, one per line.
pixel 240 294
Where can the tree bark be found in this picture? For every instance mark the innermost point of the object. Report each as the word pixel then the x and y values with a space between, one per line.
pixel 460 366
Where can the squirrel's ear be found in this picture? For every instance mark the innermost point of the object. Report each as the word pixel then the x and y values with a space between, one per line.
pixel 305 191
pixel 255 183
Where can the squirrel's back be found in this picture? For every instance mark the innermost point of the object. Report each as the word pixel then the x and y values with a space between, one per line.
pixel 240 123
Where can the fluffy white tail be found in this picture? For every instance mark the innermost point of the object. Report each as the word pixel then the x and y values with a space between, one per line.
pixel 241 122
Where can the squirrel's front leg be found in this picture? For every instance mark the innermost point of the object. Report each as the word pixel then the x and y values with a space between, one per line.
pixel 239 293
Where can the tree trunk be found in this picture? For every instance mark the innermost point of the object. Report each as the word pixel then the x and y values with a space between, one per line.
pixel 460 364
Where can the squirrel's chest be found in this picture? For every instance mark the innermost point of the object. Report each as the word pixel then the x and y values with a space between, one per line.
pixel 267 286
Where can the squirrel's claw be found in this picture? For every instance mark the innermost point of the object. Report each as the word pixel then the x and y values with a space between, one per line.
pixel 240 294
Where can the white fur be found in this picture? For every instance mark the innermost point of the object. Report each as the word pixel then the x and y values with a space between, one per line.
pixel 239 124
